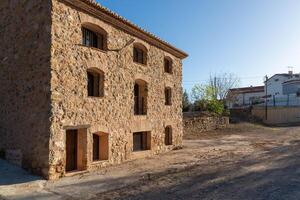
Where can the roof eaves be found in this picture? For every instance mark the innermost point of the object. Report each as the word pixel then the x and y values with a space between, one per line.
pixel 163 44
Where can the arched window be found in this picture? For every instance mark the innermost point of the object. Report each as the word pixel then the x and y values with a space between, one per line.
pixel 94 36
pixel 168 65
pixel 140 54
pixel 168 135
pixel 100 146
pixel 140 97
pixel 168 96
pixel 95 84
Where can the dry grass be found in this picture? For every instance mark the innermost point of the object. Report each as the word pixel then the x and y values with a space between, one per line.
pixel 230 130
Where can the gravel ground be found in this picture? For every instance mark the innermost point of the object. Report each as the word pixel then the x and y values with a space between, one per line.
pixel 245 161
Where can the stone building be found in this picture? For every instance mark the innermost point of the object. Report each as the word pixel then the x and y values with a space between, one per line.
pixel 82 88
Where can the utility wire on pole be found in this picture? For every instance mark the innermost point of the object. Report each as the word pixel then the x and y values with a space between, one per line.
pixel 266 99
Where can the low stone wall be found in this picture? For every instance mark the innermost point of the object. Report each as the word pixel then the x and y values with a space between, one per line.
pixel 199 122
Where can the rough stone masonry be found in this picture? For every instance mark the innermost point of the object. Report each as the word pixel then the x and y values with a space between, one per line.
pixel 49 122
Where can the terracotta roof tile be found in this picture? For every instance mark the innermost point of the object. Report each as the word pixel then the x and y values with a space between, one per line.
pixel 99 7
pixel 247 89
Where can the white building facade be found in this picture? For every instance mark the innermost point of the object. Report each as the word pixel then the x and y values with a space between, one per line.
pixel 245 97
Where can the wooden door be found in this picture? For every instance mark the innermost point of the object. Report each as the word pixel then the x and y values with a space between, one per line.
pixel 71 150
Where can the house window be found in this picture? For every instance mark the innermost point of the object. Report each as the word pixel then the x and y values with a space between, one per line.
pixel 100 146
pixel 168 65
pixel 140 54
pixel 94 36
pixel 168 96
pixel 141 141
pixel 95 83
pixel 96 147
pixel 140 97
pixel 168 135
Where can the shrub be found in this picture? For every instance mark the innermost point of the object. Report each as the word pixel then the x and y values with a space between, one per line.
pixel 215 106
pixel 212 106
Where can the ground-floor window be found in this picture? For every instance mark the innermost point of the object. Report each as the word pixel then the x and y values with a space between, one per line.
pixel 141 141
pixel 100 146
pixel 168 135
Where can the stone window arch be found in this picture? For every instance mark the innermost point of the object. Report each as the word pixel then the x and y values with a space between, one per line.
pixel 95 82
pixel 94 36
pixel 140 97
pixel 168 135
pixel 168 65
pixel 140 53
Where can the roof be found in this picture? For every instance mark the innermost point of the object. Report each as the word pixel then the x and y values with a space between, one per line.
pixel 292 80
pixel 248 89
pixel 116 20
pixel 283 74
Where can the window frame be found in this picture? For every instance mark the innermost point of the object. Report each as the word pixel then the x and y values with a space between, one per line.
pixel 168 96
pixel 95 83
pixel 145 141
pixel 103 147
pixel 98 37
pixel 140 94
pixel 140 54
pixel 168 65
pixel 168 136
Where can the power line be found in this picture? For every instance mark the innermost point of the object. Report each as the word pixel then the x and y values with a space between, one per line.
pixel 205 80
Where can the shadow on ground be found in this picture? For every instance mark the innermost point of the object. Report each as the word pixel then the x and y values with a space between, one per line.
pixel 10 175
pixel 271 171
pixel 274 174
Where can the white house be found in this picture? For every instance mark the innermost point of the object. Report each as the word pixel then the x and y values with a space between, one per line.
pixel 291 86
pixel 246 96
pixel 283 89
pixel 276 82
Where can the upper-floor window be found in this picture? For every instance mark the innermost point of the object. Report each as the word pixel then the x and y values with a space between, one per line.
pixel 140 54
pixel 140 97
pixel 168 65
pixel 168 96
pixel 94 36
pixel 95 84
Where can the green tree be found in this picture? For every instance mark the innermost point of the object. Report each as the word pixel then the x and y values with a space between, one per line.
pixel 202 92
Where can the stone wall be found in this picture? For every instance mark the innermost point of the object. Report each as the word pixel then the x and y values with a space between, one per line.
pixel 198 122
pixel 113 113
pixel 25 82
pixel 43 88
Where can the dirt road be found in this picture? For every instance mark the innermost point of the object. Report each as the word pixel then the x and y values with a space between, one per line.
pixel 244 161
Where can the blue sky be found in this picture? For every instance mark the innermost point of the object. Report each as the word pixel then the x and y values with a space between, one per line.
pixel 250 38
